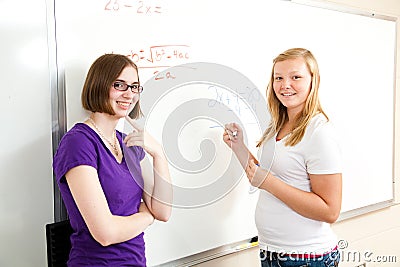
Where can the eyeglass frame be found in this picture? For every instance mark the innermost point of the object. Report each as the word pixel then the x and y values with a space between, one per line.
pixel 135 88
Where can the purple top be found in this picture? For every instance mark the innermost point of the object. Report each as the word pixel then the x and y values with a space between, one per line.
pixel 122 184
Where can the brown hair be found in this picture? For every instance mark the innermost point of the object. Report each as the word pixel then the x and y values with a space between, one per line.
pixel 278 110
pixel 101 75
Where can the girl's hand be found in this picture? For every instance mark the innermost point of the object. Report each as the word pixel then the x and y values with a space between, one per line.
pixel 145 210
pixel 139 137
pixel 255 174
pixel 233 135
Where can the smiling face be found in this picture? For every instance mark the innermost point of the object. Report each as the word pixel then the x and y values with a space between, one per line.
pixel 292 84
pixel 124 101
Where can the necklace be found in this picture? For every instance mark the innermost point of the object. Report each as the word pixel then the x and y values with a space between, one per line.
pixel 114 146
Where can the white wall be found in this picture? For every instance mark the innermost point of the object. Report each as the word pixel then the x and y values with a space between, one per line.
pixel 26 198
pixel 373 234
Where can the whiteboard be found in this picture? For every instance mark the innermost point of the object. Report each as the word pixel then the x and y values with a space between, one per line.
pixel 205 63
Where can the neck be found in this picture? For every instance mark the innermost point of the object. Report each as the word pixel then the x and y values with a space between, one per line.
pixel 112 142
pixel 292 116
pixel 105 123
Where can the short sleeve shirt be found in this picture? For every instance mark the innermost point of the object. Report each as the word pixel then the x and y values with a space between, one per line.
pixel 279 227
pixel 122 184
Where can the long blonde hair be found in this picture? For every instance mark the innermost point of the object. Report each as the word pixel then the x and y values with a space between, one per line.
pixel 279 112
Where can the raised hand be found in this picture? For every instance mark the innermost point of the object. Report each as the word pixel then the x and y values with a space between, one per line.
pixel 139 137
pixel 233 135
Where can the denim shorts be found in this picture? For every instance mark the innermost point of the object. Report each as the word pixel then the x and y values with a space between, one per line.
pixel 276 259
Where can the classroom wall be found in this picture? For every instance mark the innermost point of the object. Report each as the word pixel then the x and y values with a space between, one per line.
pixel 26 190
pixel 371 238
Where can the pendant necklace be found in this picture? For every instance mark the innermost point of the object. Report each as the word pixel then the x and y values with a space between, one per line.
pixel 114 146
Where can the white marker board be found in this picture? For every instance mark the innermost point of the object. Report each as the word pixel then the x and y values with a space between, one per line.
pixel 356 55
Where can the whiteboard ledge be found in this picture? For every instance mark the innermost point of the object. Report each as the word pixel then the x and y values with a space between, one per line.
pixel 208 255
pixel 232 248
pixel 367 209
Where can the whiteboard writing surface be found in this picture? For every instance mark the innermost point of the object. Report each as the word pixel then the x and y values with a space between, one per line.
pixel 206 63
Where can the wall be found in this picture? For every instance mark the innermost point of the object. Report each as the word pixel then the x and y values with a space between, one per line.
pixel 371 236
pixel 26 199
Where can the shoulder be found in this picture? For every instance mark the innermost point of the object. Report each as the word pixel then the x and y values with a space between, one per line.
pixel 77 147
pixel 321 133
pixel 322 152
pixel 78 135
pixel 320 127
pixel 79 138
pixel 80 132
pixel 318 121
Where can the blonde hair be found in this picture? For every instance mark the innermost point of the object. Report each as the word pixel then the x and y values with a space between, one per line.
pixel 279 112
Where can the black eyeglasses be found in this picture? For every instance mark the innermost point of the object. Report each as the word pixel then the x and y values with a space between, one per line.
pixel 121 86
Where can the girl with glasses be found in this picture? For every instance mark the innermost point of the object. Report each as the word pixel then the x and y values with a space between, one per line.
pixel 111 193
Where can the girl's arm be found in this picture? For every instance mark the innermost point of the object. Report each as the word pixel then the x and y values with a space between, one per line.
pixel 157 181
pixel 323 203
pixel 158 189
pixel 235 142
pixel 105 227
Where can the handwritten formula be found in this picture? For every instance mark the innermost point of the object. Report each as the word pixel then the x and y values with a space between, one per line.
pixel 139 7
pixel 160 57
pixel 239 100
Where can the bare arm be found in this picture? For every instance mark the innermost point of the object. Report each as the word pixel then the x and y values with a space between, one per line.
pixel 157 181
pixel 235 142
pixel 158 190
pixel 323 203
pixel 105 227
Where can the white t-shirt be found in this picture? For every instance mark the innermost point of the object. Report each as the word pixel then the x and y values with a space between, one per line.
pixel 280 228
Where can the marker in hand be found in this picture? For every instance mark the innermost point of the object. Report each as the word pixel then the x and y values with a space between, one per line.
pixel 234 133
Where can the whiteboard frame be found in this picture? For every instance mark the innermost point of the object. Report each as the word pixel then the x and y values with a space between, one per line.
pixel 58 103
pixel 59 125
pixel 343 9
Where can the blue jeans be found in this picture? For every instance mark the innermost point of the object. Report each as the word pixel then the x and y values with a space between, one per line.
pixel 272 259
